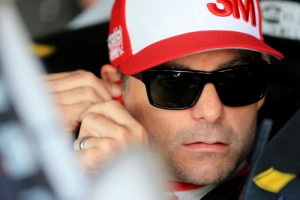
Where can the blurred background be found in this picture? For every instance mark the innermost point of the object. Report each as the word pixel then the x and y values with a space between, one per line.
pixel 43 17
pixel 68 34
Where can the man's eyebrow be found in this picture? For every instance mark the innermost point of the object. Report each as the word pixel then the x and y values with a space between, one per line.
pixel 172 65
pixel 241 59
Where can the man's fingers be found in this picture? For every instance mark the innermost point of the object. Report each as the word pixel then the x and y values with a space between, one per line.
pixel 112 119
pixel 103 127
pixel 83 79
pixel 80 94
pixel 74 92
pixel 106 129
pixel 113 110
pixel 96 152
pixel 54 76
pixel 104 144
pixel 71 114
pixel 73 80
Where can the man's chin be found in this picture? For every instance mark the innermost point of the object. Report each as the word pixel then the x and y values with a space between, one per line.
pixel 203 173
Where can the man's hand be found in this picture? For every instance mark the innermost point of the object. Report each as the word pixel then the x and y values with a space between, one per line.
pixel 111 129
pixel 75 92
pixel 86 104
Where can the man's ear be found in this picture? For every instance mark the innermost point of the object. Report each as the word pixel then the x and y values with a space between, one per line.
pixel 110 73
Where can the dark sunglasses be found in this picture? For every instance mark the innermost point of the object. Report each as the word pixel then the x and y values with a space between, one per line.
pixel 180 89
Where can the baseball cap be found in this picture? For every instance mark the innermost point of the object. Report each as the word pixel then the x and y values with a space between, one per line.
pixel 146 33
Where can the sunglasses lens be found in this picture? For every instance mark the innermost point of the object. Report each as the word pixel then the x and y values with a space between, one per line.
pixel 243 86
pixel 176 90
pixel 173 90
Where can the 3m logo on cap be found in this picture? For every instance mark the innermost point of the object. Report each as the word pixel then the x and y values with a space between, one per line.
pixel 115 43
pixel 234 7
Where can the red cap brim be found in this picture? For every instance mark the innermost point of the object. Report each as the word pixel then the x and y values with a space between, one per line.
pixel 178 46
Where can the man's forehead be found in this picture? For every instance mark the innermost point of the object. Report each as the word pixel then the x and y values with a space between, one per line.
pixel 220 58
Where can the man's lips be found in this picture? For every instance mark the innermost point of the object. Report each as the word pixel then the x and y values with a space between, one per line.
pixel 216 147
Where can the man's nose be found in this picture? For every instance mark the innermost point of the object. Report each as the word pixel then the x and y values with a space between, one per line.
pixel 209 107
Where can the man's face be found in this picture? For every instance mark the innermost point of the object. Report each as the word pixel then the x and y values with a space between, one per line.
pixel 203 144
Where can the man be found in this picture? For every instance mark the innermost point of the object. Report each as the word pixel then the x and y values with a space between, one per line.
pixel 193 77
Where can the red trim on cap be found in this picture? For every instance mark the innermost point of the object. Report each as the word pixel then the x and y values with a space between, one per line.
pixel 174 47
pixel 260 20
pixel 118 19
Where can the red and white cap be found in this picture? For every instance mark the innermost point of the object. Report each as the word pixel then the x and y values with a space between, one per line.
pixel 146 33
